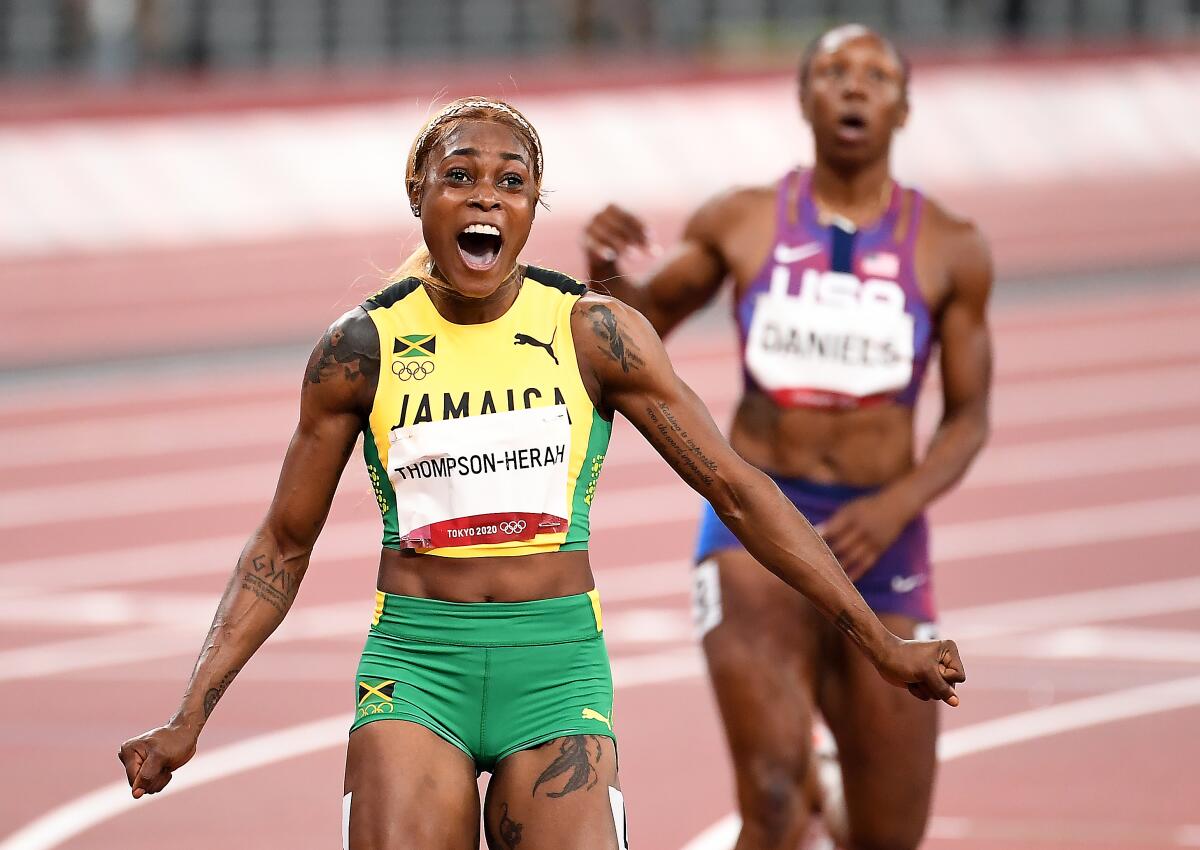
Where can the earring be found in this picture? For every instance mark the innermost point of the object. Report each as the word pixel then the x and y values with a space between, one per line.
pixel 416 210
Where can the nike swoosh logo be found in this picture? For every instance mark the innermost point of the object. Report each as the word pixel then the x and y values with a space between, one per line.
pixel 906 584
pixel 790 254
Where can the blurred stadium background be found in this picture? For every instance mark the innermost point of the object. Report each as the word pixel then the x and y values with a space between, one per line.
pixel 193 189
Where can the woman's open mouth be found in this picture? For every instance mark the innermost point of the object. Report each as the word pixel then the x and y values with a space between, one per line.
pixel 479 246
pixel 851 128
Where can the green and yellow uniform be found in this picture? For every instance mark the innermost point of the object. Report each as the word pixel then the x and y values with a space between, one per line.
pixel 483 441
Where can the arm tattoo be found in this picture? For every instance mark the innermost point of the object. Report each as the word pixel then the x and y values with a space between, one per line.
pixel 574 758
pixel 693 464
pixel 510 830
pixel 604 326
pixel 214 694
pixel 270 583
pixel 846 626
pixel 346 350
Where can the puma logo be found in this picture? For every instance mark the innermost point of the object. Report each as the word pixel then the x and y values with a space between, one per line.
pixel 592 714
pixel 526 339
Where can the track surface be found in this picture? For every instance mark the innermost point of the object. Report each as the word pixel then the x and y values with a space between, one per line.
pixel 1066 567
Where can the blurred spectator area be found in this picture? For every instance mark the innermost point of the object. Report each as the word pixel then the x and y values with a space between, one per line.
pixel 116 39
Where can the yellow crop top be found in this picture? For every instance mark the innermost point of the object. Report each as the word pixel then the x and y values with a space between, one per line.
pixel 482 439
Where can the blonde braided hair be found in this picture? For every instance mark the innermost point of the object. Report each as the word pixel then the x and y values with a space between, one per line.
pixel 419 264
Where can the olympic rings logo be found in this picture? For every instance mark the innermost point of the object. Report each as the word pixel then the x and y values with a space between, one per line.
pixel 415 370
pixel 376 708
pixel 515 527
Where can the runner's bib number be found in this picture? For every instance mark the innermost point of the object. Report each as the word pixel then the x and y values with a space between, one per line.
pixel 481 479
pixel 840 341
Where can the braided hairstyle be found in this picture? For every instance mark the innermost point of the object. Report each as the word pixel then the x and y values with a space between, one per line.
pixel 419 264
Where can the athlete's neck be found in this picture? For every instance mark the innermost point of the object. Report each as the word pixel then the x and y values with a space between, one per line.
pixel 461 309
pixel 859 195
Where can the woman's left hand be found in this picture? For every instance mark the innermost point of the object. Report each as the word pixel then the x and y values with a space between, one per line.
pixel 862 530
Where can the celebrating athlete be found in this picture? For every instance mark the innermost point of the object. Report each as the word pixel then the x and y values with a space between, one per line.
pixel 843 282
pixel 484 390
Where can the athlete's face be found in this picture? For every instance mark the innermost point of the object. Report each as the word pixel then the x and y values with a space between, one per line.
pixel 854 97
pixel 477 205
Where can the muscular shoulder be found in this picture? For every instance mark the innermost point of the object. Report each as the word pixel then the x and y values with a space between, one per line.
pixel 608 333
pixel 727 209
pixel 343 368
pixel 962 244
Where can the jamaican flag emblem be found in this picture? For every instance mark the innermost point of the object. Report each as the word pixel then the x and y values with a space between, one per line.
pixel 406 352
pixel 415 345
pixel 375 698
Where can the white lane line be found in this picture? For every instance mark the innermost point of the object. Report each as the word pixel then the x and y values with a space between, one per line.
pixel 159 433
pixel 1081 457
pixel 1188 835
pixel 1049 460
pixel 1120 643
pixel 1123 602
pixel 340 619
pixel 1024 403
pixel 638 507
pixel 111 800
pixel 1019 728
pixel 77 816
pixel 1062 400
pixel 1063 529
pixel 253 483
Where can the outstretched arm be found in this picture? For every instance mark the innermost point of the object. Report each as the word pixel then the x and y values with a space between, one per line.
pixel 341 373
pixel 686 279
pixel 635 377
pixel 863 529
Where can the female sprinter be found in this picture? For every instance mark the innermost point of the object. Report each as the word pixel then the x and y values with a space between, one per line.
pixel 843 282
pixel 484 390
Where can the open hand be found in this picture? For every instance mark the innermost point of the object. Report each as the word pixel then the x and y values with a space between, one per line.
pixel 150 758
pixel 928 668
pixel 611 234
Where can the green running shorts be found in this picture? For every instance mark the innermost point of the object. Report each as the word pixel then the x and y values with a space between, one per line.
pixel 492 678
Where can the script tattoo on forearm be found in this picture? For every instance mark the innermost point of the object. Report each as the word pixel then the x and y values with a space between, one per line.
pixel 213 694
pixel 510 830
pixel 692 462
pixel 604 326
pixel 575 755
pixel 270 582
pixel 346 353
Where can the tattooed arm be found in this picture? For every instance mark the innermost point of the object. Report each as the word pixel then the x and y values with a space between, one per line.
pixel 631 374
pixel 336 395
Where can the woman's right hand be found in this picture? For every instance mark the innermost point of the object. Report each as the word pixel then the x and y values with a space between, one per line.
pixel 610 234
pixel 928 668
pixel 150 758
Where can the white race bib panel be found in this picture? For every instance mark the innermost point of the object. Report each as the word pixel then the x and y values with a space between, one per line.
pixel 481 479
pixel 839 339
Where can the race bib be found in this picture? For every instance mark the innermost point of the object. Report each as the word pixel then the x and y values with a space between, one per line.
pixel 481 479
pixel 838 342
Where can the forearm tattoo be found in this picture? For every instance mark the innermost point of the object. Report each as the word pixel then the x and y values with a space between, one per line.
pixel 268 580
pixel 615 344
pixel 213 694
pixel 692 463
pixel 846 626
pixel 350 355
pixel 575 761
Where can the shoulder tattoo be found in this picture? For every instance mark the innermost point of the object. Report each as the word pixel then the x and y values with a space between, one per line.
pixel 613 343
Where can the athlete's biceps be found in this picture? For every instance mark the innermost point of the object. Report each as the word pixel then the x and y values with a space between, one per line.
pixel 308 479
pixel 966 359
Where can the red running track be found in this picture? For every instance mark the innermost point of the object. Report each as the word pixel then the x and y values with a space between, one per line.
pixel 1066 567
